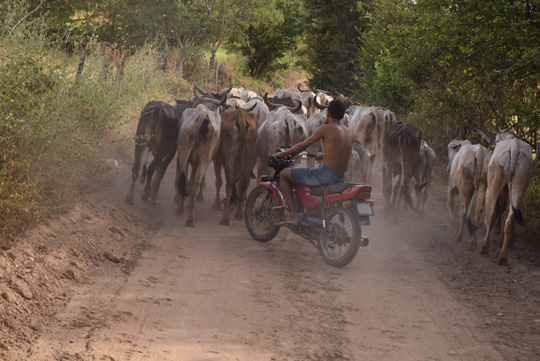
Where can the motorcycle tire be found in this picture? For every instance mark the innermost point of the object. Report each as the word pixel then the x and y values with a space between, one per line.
pixel 260 224
pixel 339 244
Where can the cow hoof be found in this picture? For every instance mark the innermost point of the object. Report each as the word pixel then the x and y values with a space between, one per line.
pixel 189 223
pixel 484 250
pixel 502 261
pixel 144 197
pixel 151 201
pixel 224 222
pixel 458 238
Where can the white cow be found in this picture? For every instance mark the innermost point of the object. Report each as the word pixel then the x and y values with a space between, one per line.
pixel 314 122
pixel 360 164
pixel 260 109
pixel 306 97
pixel 281 127
pixel 467 169
pixel 198 141
pixel 509 173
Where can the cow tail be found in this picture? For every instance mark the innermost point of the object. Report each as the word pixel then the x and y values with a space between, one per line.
pixel 419 187
pixel 514 155
pixel 182 184
pixel 242 136
pixel 145 168
pixel 290 124
pixel 479 159
pixel 470 226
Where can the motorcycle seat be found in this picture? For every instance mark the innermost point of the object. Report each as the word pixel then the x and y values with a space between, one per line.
pixel 335 188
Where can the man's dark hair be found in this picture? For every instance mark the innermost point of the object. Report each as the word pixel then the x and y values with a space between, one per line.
pixel 337 109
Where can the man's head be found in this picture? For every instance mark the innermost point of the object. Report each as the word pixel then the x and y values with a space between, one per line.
pixel 336 109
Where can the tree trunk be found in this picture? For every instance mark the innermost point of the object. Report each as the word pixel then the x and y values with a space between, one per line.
pixel 121 67
pixel 180 68
pixel 82 59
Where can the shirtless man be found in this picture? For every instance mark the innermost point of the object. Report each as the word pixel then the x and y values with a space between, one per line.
pixel 337 145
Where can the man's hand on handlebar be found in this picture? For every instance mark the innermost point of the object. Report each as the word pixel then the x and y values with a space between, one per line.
pixel 281 155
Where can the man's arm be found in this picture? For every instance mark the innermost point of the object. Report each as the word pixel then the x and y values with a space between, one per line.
pixel 298 147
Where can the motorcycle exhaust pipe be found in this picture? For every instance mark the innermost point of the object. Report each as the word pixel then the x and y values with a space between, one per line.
pixel 312 221
pixel 364 241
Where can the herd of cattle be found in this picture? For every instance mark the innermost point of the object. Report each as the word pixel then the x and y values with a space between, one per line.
pixel 238 129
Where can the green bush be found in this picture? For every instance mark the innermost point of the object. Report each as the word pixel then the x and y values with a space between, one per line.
pixel 53 123
pixel 531 207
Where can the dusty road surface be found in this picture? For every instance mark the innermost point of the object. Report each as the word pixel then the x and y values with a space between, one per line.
pixel 109 281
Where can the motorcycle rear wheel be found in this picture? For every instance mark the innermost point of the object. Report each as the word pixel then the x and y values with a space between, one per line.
pixel 259 215
pixel 339 244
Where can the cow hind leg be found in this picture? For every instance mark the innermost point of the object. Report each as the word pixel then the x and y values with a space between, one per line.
pixel 490 219
pixel 148 186
pixel 465 199
pixel 200 196
pixel 162 167
pixel 226 212
pixel 242 193
pixel 218 183
pixel 135 172
pixel 508 233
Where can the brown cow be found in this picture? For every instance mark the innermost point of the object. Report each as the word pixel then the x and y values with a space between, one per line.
pixel 509 173
pixel 237 156
pixel 400 154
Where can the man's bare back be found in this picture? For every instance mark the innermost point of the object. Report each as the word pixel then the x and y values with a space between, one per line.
pixel 337 145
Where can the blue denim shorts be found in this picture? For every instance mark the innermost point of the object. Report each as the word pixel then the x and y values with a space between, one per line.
pixel 308 176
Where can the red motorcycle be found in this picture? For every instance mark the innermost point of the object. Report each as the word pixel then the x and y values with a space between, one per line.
pixel 330 216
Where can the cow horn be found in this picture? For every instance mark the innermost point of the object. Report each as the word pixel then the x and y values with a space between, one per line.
pixel 226 92
pixel 302 90
pixel 260 93
pixel 197 96
pixel 223 100
pixel 319 106
pixel 297 108
pixel 323 91
pixel 271 106
pixel 250 109
pixel 199 89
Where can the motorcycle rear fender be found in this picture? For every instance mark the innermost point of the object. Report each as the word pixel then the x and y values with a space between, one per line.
pixel 278 198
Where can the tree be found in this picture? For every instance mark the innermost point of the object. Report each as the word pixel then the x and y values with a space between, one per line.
pixel 461 65
pixel 334 29
pixel 273 31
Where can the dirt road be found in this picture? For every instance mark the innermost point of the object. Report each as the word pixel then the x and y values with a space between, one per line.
pixel 109 281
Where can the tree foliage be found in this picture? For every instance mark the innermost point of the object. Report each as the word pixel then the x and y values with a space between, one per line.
pixel 333 34
pixel 460 65
pixel 274 31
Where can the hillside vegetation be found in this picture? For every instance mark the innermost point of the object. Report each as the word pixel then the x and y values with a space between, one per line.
pixel 74 73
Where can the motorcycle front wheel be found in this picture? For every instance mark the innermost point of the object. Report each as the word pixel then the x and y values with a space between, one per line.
pixel 259 215
pixel 339 243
